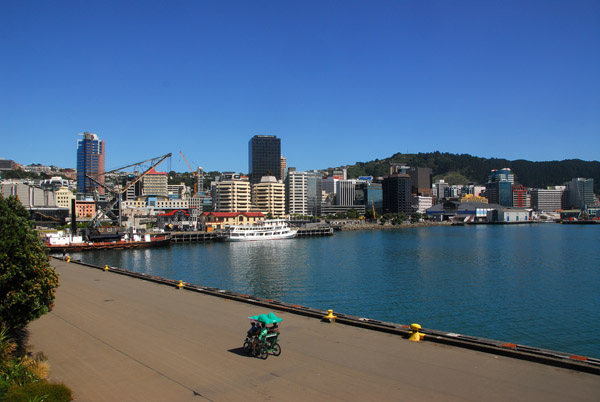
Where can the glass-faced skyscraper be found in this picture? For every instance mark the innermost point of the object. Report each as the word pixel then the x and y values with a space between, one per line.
pixel 264 157
pixel 90 161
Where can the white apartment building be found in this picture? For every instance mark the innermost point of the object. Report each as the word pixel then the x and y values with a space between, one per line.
pixel 345 192
pixel 421 203
pixel 297 193
pixel 269 196
pixel 232 196
pixel 155 183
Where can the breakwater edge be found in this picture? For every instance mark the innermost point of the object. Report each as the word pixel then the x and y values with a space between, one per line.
pixel 529 284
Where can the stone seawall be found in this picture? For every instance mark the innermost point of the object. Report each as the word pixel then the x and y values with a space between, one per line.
pixel 388 226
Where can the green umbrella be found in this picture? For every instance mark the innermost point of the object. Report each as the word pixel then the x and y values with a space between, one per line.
pixel 266 319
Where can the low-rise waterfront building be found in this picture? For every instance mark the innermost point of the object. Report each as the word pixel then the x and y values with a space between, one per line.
pixel 219 220
pixel 422 203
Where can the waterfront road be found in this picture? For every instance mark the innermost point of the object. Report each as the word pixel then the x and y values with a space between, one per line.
pixel 115 338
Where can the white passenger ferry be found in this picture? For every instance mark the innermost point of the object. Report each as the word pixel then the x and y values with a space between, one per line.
pixel 271 229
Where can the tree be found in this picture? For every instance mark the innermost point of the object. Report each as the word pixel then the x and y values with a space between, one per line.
pixel 27 281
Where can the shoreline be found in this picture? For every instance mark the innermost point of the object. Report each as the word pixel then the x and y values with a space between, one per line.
pixel 377 226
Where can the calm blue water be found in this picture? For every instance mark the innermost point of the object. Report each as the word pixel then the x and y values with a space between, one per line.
pixel 536 285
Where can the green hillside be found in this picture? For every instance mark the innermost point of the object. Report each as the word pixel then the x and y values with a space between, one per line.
pixel 477 170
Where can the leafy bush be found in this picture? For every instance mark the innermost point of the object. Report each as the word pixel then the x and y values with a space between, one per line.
pixel 39 391
pixel 27 281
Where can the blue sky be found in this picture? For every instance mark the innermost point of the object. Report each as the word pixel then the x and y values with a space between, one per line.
pixel 337 81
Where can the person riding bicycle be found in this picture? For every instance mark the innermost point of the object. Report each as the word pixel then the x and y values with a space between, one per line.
pixel 253 331
pixel 259 338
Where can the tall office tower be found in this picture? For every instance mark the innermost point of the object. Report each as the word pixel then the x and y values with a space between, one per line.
pixel 581 192
pixel 345 192
pixel 90 162
pixel 297 192
pixel 499 187
pixel 264 157
pixel 397 194
pixel 421 180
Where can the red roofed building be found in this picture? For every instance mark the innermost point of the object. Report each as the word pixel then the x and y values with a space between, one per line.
pixel 178 219
pixel 218 220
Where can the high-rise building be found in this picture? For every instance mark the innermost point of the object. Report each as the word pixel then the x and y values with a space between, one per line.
pixel 581 193
pixel 269 196
pixel 264 157
pixel 90 162
pixel 155 183
pixel 397 194
pixel 232 195
pixel 499 187
pixel 304 192
pixel 421 180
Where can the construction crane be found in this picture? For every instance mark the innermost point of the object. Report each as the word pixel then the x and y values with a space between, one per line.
pixel 197 174
pixel 117 192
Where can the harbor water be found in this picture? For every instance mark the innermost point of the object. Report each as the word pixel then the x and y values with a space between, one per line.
pixel 536 285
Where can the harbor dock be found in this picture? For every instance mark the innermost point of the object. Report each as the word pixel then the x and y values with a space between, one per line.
pixel 113 337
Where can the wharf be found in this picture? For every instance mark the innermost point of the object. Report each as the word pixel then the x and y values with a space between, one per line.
pixel 194 237
pixel 319 231
pixel 115 337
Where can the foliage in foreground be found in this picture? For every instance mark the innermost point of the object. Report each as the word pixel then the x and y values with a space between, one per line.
pixel 27 281
pixel 39 391
pixel 23 370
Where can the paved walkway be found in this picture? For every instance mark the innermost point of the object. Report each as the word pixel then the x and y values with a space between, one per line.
pixel 115 338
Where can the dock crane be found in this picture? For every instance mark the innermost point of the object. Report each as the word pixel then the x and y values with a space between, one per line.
pixel 118 192
pixel 197 174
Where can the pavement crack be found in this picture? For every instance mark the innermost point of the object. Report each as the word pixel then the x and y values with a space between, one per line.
pixel 194 392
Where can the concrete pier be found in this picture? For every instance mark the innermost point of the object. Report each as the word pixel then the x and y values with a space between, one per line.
pixel 115 338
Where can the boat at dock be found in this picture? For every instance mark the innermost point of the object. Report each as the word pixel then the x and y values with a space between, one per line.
pixel 65 243
pixel 270 229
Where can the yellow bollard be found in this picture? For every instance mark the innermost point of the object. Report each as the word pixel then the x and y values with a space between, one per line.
pixel 414 335
pixel 68 259
pixel 106 268
pixel 180 285
pixel 329 316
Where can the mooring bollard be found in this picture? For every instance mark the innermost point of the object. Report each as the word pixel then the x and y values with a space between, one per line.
pixel 180 285
pixel 106 268
pixel 414 335
pixel 329 316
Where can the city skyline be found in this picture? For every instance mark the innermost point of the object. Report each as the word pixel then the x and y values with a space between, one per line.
pixel 337 83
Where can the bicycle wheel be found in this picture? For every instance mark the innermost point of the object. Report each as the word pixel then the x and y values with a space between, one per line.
pixel 263 353
pixel 247 347
pixel 276 349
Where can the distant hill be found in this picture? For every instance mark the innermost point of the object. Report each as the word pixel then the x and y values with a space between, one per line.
pixel 477 170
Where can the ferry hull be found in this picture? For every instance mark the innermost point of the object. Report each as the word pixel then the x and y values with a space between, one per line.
pixel 289 235
pixel 103 245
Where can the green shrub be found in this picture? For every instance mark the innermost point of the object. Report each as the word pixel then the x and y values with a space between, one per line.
pixel 39 391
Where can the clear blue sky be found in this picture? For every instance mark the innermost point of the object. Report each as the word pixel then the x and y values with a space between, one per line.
pixel 337 81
